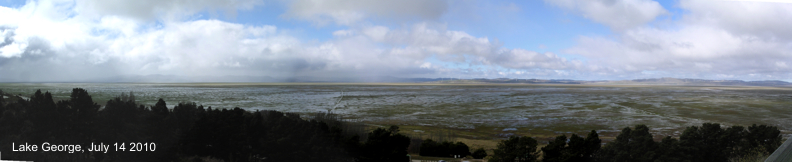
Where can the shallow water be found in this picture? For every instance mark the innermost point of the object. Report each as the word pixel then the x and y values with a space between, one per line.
pixel 555 108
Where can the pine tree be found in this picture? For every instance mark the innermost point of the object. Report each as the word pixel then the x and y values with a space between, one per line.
pixel 521 149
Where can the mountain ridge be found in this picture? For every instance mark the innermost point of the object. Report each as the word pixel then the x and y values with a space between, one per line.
pixel 156 78
pixel 647 81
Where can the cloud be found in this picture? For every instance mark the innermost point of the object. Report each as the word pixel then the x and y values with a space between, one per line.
pixel 761 19
pixel 148 10
pixel 349 12
pixel 423 40
pixel 86 48
pixel 64 41
pixel 707 43
pixel 92 45
pixel 617 14
pixel 79 47
pixel 524 59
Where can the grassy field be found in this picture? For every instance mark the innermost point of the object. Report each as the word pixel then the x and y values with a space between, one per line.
pixel 479 114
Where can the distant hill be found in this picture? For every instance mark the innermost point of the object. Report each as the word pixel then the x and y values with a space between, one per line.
pixel 389 79
pixel 508 80
pixel 683 81
pixel 651 81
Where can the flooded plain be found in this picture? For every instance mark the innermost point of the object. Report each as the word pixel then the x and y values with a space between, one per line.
pixel 498 110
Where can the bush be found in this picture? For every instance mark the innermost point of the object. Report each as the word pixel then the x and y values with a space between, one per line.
pixel 480 153
pixel 445 149
pixel 385 145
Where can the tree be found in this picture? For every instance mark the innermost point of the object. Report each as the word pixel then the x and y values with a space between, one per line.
pixel 160 108
pixel 480 153
pixel 668 150
pixel 703 143
pixel 521 149
pixel 385 145
pixel 429 148
pixel 593 144
pixel 555 149
pixel 573 150
pixel 85 110
pixel 131 96
pixel 630 145
pixel 460 149
pixel 582 149
pixel 444 149
pixel 764 137
pixel 2 103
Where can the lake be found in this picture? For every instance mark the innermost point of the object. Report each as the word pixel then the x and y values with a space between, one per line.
pixel 498 109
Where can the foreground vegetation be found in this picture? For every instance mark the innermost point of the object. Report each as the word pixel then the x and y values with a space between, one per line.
pixel 190 132
pixel 187 132
pixel 707 143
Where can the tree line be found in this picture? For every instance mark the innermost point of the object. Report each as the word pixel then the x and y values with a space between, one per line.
pixel 707 143
pixel 187 132
pixel 191 132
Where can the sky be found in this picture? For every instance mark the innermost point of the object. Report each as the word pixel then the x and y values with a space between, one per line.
pixel 254 40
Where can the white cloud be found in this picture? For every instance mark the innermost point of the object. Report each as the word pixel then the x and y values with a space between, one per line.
pixel 707 43
pixel 425 39
pixel 377 33
pixel 349 12
pixel 12 49
pixel 148 10
pixel 341 33
pixel 524 59
pixel 618 14
pixel 103 43
pixel 75 43
pixel 760 19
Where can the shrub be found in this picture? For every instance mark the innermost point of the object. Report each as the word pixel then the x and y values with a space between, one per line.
pixel 480 153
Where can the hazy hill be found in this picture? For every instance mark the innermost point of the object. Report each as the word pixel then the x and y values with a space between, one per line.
pixel 651 81
pixel 388 79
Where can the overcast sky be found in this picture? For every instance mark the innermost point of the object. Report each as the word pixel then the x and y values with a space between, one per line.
pixel 84 40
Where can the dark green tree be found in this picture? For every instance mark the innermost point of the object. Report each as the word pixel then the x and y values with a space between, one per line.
pixel 630 145
pixel 480 153
pixel 555 149
pixel 160 108
pixel 574 149
pixel 593 144
pixel 521 149
pixel 460 149
pixel 432 148
pixel 85 110
pixel 385 145
pixel 668 150
pixel 704 143
pixel 581 149
pixel 444 149
pixel 429 148
pixel 2 103
pixel 767 138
